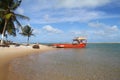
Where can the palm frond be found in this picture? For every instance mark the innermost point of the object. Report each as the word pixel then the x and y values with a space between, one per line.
pixel 15 4
pixel 4 4
pixel 7 8
pixel 22 16
pixel 2 10
pixel 18 23
pixel 11 30
pixel 27 31
pixel 1 26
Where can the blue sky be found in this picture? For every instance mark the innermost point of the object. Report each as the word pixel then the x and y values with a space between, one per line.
pixel 62 20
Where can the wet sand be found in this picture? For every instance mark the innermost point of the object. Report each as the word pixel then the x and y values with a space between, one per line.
pixel 9 53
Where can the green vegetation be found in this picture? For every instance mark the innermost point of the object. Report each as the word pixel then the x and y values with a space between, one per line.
pixel 28 32
pixel 8 17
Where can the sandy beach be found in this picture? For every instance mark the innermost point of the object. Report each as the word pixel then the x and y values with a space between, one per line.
pixel 9 53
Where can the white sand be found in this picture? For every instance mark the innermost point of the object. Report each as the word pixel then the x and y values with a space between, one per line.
pixel 9 53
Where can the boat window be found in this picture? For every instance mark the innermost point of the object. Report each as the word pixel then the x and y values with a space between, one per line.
pixel 75 42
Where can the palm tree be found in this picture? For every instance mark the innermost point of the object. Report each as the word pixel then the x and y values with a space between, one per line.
pixel 27 31
pixel 8 17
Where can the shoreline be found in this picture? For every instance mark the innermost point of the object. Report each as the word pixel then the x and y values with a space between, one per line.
pixel 7 54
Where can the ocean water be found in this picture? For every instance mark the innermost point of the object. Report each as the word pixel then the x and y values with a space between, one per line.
pixel 95 62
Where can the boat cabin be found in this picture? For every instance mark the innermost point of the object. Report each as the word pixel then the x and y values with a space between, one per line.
pixel 79 40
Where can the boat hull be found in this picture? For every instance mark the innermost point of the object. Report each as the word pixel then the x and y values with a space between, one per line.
pixel 81 45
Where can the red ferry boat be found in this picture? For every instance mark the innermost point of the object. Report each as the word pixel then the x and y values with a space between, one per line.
pixel 78 42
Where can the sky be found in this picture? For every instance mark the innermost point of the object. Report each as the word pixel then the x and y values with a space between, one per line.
pixel 63 20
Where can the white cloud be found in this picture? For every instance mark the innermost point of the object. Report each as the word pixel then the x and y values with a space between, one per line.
pixel 20 10
pixel 57 11
pixel 54 11
pixel 51 29
pixel 103 26
pixel 114 28
pixel 36 31
pixel 55 4
pixel 99 33
pixel 46 17
pixel 104 30
pixel 77 33
pixel 38 5
pixel 82 3
pixel 72 15
pixel 96 24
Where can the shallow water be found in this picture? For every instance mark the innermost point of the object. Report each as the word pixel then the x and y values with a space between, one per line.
pixel 95 62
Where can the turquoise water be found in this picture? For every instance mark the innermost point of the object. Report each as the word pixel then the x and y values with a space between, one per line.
pixel 95 62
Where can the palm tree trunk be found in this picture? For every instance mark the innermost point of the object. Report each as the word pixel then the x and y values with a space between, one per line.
pixel 28 40
pixel 3 33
